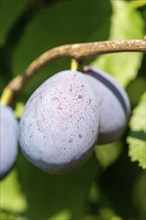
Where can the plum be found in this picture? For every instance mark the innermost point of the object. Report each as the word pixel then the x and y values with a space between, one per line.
pixel 8 140
pixel 114 105
pixel 59 125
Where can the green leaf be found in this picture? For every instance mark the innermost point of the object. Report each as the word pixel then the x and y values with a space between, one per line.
pixel 107 154
pixel 137 122
pixel 139 192
pixel 94 193
pixel 38 195
pixel 137 151
pixel 62 23
pixel 107 213
pixel 10 12
pixel 138 3
pixel 65 214
pixel 137 137
pixel 123 66
pixel 10 188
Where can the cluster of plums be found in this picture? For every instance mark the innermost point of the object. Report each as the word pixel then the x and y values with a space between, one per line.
pixel 64 119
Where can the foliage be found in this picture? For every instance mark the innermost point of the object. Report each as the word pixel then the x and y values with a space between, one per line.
pixel 108 183
pixel 137 137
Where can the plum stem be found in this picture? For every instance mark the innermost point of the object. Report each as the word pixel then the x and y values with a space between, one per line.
pixel 78 52
pixel 74 65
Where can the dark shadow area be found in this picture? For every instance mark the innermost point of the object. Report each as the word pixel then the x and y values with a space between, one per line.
pixel 116 183
pixel 138 134
pixel 15 34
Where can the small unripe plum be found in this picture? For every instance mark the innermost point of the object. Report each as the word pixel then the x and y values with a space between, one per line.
pixel 59 126
pixel 8 140
pixel 114 106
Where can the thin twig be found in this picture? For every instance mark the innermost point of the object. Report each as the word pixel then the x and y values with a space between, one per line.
pixel 77 51
pixel 84 51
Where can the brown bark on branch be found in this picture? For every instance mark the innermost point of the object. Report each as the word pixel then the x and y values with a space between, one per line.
pixel 85 50
pixel 77 51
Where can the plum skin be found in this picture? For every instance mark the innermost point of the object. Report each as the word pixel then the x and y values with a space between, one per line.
pixel 114 105
pixel 70 113
pixel 9 140
pixel 59 126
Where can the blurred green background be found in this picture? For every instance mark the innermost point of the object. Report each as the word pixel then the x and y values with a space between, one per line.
pixel 112 184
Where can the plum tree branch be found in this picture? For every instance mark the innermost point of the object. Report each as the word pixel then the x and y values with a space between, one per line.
pixel 79 52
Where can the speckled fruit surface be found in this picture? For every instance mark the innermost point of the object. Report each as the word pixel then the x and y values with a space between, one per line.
pixel 59 126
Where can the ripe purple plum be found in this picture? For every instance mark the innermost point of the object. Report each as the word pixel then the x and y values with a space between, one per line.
pixel 8 140
pixel 114 105
pixel 59 125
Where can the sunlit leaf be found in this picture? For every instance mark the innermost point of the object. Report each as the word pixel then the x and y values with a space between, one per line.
pixel 123 66
pixel 10 188
pixel 107 154
pixel 137 137
pixel 137 151
pixel 138 3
